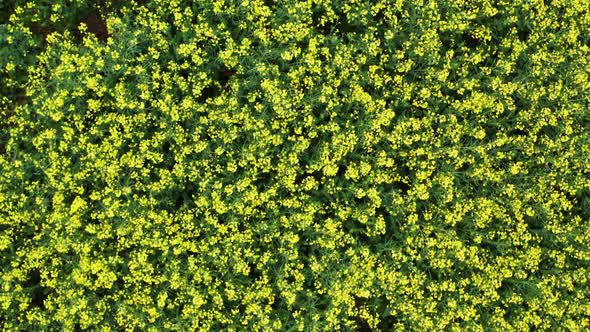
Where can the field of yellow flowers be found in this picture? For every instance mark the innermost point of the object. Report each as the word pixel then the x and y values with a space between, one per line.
pixel 288 165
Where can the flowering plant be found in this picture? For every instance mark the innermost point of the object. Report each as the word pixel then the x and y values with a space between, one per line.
pixel 295 165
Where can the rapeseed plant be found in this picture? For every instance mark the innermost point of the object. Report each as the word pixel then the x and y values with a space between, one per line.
pixel 294 165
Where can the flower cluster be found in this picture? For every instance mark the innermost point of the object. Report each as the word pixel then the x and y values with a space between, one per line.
pixel 295 165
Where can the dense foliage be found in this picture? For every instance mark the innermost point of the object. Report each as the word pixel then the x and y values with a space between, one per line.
pixel 295 165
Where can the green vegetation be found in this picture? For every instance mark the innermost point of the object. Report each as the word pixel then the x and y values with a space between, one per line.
pixel 256 165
